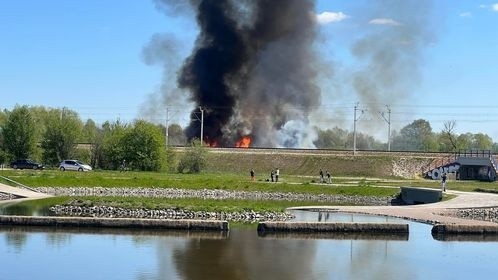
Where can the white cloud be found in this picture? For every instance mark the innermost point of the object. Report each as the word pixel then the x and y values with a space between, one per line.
pixel 384 21
pixel 466 14
pixel 492 7
pixel 329 17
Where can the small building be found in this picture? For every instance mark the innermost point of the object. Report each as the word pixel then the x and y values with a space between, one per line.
pixel 467 165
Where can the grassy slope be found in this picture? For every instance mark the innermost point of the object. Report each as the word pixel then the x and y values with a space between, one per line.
pixel 296 164
pixel 352 176
pixel 297 184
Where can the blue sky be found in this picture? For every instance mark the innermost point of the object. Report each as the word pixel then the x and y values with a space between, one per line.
pixel 88 56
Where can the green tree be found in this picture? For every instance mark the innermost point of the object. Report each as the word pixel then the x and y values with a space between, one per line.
pixel 19 133
pixel 63 130
pixel 338 138
pixel 89 131
pixel 113 151
pixel 495 147
pixel 143 146
pixel 464 141
pixel 176 135
pixel 40 116
pixel 170 159
pixel 448 139
pixel 3 155
pixel 194 159
pixel 93 136
pixel 3 118
pixel 335 138
pixel 417 136
pixel 482 142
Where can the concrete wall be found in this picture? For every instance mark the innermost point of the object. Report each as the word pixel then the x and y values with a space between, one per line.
pixel 464 229
pixel 331 227
pixel 412 195
pixel 114 223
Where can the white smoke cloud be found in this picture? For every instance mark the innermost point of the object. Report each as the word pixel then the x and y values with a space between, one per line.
pixel 329 17
pixel 384 21
pixel 494 7
pixel 296 134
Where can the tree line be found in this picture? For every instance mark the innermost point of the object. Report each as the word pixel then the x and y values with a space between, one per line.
pixel 416 136
pixel 51 135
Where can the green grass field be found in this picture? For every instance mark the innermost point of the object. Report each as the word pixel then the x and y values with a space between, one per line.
pixel 368 186
pixel 224 181
pixel 381 187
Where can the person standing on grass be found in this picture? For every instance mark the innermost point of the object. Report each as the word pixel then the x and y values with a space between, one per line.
pixel 321 176
pixel 272 175
pixel 329 178
pixel 277 173
pixel 252 174
pixel 122 167
pixel 443 181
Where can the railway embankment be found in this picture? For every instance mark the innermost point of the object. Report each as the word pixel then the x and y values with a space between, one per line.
pixel 308 162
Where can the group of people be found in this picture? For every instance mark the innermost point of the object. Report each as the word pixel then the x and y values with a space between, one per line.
pixel 325 179
pixel 275 173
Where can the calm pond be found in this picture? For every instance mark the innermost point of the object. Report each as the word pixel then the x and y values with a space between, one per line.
pixel 49 253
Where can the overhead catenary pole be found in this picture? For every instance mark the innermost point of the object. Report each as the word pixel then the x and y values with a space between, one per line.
pixel 388 121
pixel 354 126
pixel 388 128
pixel 167 125
pixel 202 125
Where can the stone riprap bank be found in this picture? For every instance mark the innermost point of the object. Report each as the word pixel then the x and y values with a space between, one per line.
pixel 79 209
pixel 214 194
pixel 173 214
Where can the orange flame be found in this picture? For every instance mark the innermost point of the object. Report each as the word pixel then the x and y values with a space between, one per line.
pixel 211 142
pixel 243 142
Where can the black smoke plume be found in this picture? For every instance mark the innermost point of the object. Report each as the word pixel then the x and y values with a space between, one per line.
pixel 251 71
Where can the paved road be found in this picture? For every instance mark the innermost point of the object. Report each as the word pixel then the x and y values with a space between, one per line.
pixel 21 192
pixel 432 213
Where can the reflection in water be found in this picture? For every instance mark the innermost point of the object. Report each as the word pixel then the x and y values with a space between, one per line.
pixel 333 216
pixel 67 253
pixel 14 208
pixel 466 237
pixel 117 231
pixel 335 235
pixel 16 240
pixel 245 257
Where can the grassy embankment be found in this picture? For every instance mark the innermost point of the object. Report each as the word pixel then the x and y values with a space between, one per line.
pixel 364 176
pixel 233 182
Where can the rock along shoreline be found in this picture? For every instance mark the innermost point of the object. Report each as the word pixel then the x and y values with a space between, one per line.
pixel 80 210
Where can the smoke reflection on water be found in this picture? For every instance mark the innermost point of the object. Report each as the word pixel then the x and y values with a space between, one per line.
pixel 239 254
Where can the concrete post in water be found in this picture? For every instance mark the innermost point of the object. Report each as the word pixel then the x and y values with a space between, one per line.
pixel 314 227
pixel 115 223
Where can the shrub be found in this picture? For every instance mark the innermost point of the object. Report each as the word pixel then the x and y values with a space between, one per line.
pixel 194 159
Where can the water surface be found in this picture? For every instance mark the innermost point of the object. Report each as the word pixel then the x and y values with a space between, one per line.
pixel 50 253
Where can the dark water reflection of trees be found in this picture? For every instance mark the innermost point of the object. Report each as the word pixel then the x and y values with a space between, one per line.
pixel 242 256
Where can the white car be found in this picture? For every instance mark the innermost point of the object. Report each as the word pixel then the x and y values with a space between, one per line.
pixel 72 164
